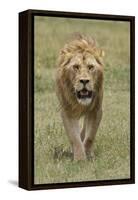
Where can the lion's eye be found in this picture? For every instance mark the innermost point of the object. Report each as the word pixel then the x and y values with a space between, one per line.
pixel 90 67
pixel 76 67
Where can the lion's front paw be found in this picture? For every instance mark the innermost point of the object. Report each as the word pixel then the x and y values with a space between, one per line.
pixel 79 155
pixel 90 155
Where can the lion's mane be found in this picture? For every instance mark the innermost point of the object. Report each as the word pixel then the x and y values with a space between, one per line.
pixel 64 88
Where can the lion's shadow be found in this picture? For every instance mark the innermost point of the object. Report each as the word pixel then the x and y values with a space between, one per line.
pixel 61 153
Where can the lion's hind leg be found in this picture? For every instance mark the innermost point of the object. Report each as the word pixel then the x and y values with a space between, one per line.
pixel 92 124
pixel 83 130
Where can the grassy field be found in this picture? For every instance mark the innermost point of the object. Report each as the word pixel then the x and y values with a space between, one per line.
pixel 53 160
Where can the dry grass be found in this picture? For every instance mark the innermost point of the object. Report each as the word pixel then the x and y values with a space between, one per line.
pixel 53 160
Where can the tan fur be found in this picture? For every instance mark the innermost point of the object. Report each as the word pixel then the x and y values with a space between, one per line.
pixel 80 59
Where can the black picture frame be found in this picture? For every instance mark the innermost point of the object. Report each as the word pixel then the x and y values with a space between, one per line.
pixel 26 98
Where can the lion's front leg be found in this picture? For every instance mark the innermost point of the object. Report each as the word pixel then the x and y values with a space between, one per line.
pixel 92 124
pixel 83 130
pixel 73 131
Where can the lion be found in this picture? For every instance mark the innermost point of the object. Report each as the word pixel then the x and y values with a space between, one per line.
pixel 79 88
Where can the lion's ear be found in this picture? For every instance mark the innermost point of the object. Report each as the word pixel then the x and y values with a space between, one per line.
pixel 101 53
pixel 64 57
pixel 62 51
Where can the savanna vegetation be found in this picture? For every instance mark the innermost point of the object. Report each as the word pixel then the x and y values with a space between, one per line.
pixel 53 158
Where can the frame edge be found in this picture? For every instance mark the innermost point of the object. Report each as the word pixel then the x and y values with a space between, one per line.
pixel 24 98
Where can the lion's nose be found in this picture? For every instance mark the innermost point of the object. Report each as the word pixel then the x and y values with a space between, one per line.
pixel 84 81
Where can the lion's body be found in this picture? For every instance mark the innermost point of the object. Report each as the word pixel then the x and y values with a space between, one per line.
pixel 79 84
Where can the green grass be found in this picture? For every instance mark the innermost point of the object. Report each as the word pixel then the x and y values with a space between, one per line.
pixel 53 160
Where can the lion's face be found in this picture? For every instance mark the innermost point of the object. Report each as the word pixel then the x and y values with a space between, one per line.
pixel 84 74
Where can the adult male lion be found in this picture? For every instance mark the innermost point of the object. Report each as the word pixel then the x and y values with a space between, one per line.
pixel 79 83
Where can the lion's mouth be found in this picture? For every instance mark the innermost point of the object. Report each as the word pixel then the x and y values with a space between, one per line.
pixel 84 93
